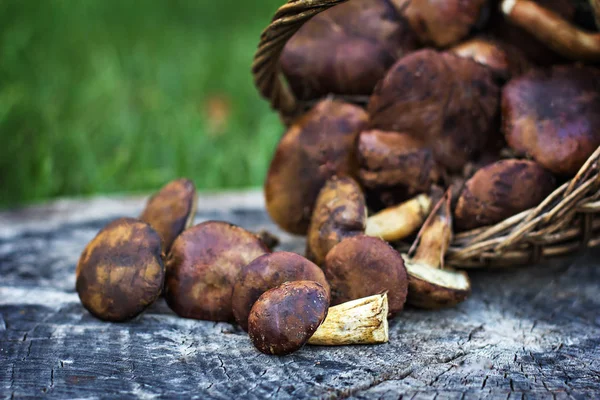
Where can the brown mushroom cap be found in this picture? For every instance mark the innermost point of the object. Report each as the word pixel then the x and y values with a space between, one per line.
pixel 504 60
pixel 433 288
pixel 203 265
pixel 392 159
pixel 269 271
pixel 362 266
pixel 448 102
pixel 442 23
pixel 319 145
pixel 284 318
pixel 554 116
pixel 501 190
pixel 171 210
pixel 120 272
pixel 340 212
pixel 346 49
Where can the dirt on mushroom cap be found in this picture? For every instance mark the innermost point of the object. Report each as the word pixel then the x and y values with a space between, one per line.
pixel 284 318
pixel 269 271
pixel 120 272
pixel 202 268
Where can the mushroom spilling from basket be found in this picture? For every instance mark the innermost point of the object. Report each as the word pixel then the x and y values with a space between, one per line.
pixel 423 138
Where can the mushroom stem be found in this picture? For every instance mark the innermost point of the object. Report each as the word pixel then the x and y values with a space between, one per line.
pixel 361 321
pixel 398 222
pixel 435 235
pixel 552 30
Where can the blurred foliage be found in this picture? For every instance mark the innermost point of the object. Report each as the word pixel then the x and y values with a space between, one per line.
pixel 106 96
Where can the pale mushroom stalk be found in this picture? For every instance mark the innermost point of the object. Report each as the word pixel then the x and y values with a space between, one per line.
pixel 361 321
pixel 553 30
pixel 398 222
pixel 431 285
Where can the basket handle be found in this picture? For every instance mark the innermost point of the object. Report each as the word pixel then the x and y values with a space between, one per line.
pixel 265 67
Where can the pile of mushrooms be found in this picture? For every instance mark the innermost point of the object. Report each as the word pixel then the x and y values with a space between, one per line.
pixel 429 118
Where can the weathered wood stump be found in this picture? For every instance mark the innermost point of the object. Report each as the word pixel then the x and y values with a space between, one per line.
pixel 529 332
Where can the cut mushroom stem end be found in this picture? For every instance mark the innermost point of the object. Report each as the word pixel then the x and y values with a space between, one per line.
pixel 361 321
pixel 398 222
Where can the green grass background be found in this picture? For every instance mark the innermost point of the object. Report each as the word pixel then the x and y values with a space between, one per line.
pixel 109 96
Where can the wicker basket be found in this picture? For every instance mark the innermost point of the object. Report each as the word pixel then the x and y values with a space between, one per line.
pixel 566 222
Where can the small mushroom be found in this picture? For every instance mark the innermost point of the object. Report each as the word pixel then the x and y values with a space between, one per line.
pixel 361 321
pixel 395 161
pixel 504 60
pixel 553 30
pixel 202 268
pixel 430 284
pixel 501 190
pixel 120 272
pixel 284 318
pixel 319 145
pixel 442 23
pixel 448 102
pixel 363 266
pixel 553 116
pixel 269 271
pixel 346 49
pixel 340 212
pixel 171 210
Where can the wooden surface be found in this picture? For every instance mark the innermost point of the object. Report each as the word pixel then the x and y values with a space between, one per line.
pixel 527 333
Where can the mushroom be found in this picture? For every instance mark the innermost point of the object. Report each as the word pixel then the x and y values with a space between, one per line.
pixel 171 210
pixel 448 102
pixel 269 271
pixel 319 145
pixel 442 23
pixel 502 190
pixel 120 272
pixel 553 30
pixel 554 116
pixel 284 318
pixel 394 162
pixel 363 266
pixel 361 321
pixel 202 268
pixel 430 284
pixel 346 49
pixel 502 28
pixel 340 212
pixel 504 60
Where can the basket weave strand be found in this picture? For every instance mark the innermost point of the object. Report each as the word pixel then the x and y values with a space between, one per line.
pixel 568 220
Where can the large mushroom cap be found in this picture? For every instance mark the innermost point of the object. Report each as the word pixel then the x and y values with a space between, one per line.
pixel 121 271
pixel 340 212
pixel 346 49
pixel 318 146
pixel 554 116
pixel 501 190
pixel 448 102
pixel 362 266
pixel 269 271
pixel 202 268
